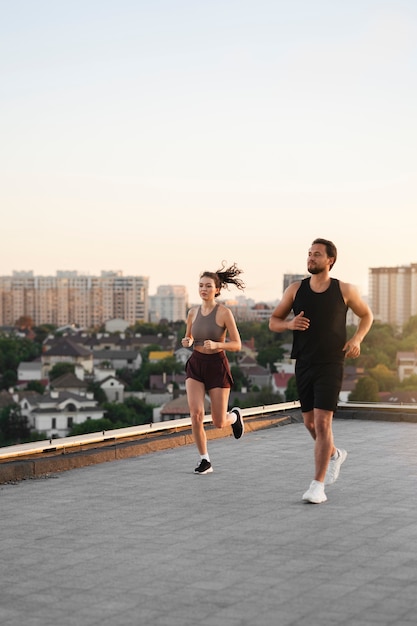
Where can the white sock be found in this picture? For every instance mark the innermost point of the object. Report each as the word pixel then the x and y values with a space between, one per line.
pixel 335 455
pixel 205 456
pixel 233 417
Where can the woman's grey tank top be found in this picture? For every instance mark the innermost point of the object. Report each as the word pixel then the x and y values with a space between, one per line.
pixel 205 327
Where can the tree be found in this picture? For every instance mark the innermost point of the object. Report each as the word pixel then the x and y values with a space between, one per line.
pixel 132 412
pixel 269 356
pixel 291 392
pixel 409 383
pixel 263 397
pixel 144 411
pixel 93 426
pixel 59 369
pixel 262 336
pixel 14 350
pixel 35 385
pixel 98 392
pixel 239 378
pixel 42 332
pixel 379 347
pixel 14 426
pixel 140 379
pixel 25 322
pixel 8 379
pixel 366 390
pixel 386 379
pixel 410 328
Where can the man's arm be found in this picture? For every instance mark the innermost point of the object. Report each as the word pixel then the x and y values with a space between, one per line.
pixel 363 312
pixel 278 321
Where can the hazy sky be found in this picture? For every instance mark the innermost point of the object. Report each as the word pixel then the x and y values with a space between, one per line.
pixel 160 137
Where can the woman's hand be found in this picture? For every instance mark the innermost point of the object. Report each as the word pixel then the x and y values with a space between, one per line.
pixel 210 345
pixel 187 342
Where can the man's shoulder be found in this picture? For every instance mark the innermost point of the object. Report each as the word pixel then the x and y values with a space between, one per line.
pixel 295 286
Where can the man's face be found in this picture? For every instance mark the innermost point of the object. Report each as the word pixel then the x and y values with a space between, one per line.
pixel 318 261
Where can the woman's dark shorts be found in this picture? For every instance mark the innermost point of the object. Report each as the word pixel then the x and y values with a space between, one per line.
pixel 211 369
pixel 318 385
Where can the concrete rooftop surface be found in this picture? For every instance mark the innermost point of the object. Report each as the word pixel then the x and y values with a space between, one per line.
pixel 144 541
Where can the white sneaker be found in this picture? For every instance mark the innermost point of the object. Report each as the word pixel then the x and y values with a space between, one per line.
pixel 315 493
pixel 333 469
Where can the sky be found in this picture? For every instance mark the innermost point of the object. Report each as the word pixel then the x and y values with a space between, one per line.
pixel 161 138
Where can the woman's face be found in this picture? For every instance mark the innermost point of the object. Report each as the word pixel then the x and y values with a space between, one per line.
pixel 207 288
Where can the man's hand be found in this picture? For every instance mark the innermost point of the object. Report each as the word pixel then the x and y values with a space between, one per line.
pixel 352 349
pixel 299 322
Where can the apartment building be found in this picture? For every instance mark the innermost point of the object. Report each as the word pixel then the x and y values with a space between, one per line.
pixel 70 298
pixel 393 293
pixel 170 303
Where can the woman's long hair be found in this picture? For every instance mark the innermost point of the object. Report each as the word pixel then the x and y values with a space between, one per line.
pixel 225 277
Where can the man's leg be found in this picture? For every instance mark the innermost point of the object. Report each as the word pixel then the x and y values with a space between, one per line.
pixel 324 446
pixel 319 425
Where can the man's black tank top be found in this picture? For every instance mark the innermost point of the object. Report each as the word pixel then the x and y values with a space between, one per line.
pixel 323 341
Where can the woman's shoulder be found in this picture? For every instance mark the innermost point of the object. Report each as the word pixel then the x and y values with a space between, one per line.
pixel 223 311
pixel 222 308
pixel 192 312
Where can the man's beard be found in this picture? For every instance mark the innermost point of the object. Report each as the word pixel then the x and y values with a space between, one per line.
pixel 315 270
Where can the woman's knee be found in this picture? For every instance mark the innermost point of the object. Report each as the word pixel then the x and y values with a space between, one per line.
pixel 220 421
pixel 197 417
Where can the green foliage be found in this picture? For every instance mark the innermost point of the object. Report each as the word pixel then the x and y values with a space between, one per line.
pixel 262 397
pixel 14 426
pixel 14 350
pixel 366 390
pixel 379 347
pixel 291 393
pixel 98 393
pixel 263 337
pixel 410 328
pixel 142 410
pixel 42 332
pixel 269 355
pixel 239 378
pixel 35 385
pixel 409 383
pixel 180 328
pixel 9 379
pixel 132 412
pixel 140 379
pixel 93 426
pixel 385 378
pixel 59 369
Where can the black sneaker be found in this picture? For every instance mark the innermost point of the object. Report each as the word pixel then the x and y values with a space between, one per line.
pixel 238 427
pixel 204 467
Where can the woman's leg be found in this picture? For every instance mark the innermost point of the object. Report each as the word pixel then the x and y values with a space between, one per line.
pixel 195 396
pixel 219 398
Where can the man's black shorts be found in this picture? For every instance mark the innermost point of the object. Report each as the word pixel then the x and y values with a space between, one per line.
pixel 318 385
pixel 211 369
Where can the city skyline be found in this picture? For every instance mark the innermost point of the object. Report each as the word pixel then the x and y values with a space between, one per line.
pixel 161 138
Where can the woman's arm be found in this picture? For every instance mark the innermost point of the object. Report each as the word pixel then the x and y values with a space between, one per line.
pixel 188 340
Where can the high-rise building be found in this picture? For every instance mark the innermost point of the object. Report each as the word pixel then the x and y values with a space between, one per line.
pixel 170 303
pixel 393 293
pixel 69 298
